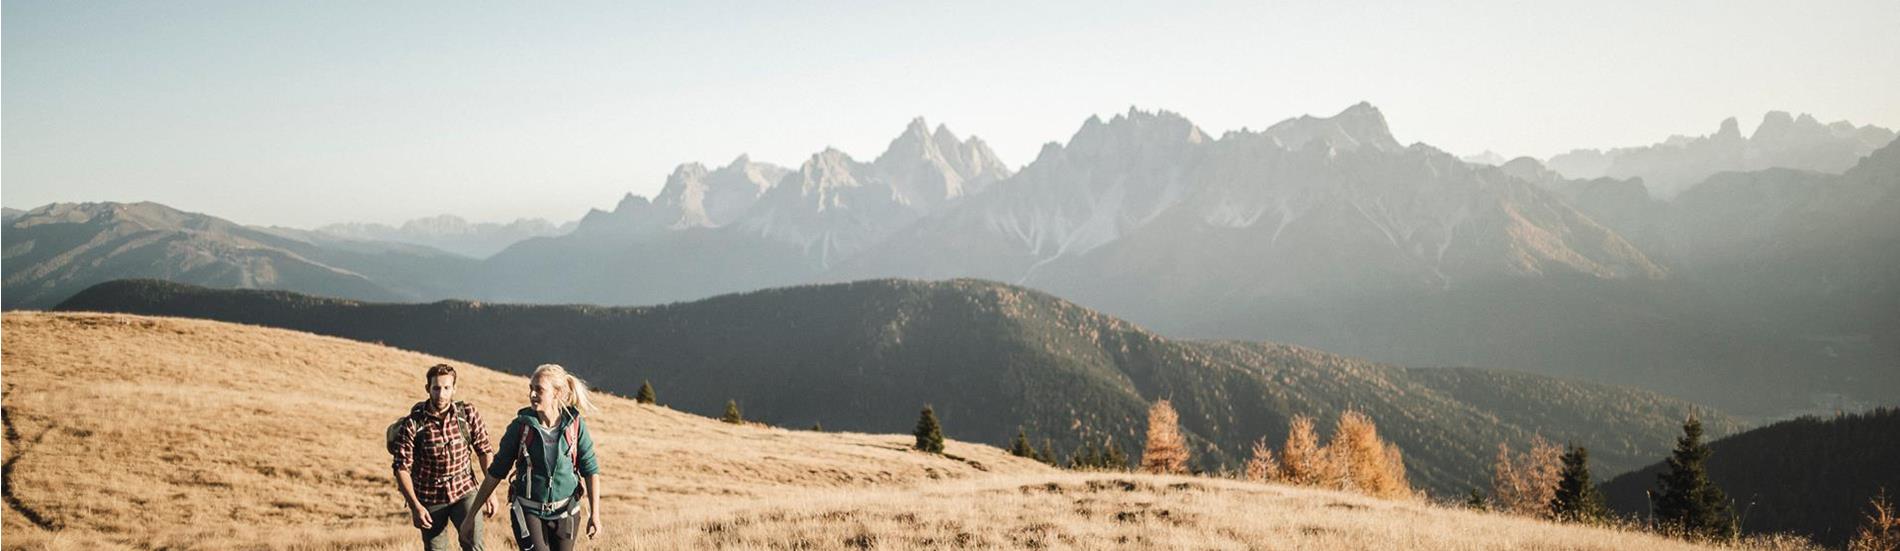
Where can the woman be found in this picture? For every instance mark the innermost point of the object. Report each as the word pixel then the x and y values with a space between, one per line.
pixel 549 442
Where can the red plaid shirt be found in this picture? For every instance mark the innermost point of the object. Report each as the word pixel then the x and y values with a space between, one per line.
pixel 440 471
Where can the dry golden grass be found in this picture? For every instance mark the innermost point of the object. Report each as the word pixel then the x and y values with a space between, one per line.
pixel 141 432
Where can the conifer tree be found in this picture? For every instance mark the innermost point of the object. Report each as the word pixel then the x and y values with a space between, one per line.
pixel 1260 466
pixel 817 426
pixel 1302 461
pixel 645 395
pixel 1686 501
pixel 1525 484
pixel 1084 457
pixel 1020 446
pixel 1879 529
pixel 1116 459
pixel 732 413
pixel 1166 451
pixel 1577 498
pixel 1475 500
pixel 1048 453
pixel 929 434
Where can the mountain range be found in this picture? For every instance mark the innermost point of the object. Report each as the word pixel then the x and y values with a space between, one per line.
pixel 1780 141
pixel 451 233
pixel 1762 292
pixel 56 250
pixel 991 359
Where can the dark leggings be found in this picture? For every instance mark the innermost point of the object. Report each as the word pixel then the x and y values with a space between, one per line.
pixel 542 534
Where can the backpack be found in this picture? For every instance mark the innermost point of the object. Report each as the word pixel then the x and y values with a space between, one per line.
pixel 458 410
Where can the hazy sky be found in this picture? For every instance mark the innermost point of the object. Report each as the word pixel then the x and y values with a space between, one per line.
pixel 303 113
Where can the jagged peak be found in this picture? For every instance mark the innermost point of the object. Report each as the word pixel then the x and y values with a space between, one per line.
pixel 1773 124
pixel 686 170
pixel 1136 126
pixel 632 202
pixel 1731 129
pixel 1361 124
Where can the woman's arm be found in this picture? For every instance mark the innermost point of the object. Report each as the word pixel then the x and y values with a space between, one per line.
pixel 497 469
pixel 466 528
pixel 592 484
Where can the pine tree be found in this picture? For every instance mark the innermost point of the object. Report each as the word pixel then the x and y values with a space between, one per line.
pixel 1115 459
pixel 817 426
pixel 1686 501
pixel 732 413
pixel 645 395
pixel 1302 461
pixel 1166 451
pixel 929 434
pixel 1084 457
pixel 1362 462
pixel 1261 467
pixel 1048 453
pixel 1577 499
pixel 1524 484
pixel 1475 500
pixel 1020 446
pixel 1879 529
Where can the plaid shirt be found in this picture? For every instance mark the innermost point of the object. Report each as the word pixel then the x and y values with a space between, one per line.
pixel 440 471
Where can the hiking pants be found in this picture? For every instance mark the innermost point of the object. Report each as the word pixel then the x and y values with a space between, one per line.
pixel 534 533
pixel 438 536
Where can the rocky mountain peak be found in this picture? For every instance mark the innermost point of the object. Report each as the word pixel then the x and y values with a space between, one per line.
pixel 1360 125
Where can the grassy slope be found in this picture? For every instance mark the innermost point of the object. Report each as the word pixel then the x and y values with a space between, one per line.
pixel 196 425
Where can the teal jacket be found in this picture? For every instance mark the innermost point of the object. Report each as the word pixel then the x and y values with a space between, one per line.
pixel 546 484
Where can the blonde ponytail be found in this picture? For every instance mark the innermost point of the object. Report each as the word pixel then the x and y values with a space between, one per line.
pixel 576 388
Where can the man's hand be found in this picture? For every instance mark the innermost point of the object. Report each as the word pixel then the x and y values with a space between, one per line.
pixel 488 508
pixel 419 516
pixel 593 525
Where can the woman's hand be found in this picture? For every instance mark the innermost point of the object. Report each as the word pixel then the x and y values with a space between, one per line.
pixel 593 525
pixel 467 530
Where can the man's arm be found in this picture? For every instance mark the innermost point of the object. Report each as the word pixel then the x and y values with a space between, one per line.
pixel 418 515
pixel 404 453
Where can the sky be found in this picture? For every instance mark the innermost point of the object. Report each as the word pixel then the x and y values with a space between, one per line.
pixel 307 113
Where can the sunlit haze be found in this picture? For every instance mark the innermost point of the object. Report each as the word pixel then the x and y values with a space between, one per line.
pixel 302 114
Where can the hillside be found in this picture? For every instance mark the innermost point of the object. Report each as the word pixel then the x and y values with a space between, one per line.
pixel 56 250
pixel 212 422
pixel 991 358
pixel 1811 476
pixel 306 460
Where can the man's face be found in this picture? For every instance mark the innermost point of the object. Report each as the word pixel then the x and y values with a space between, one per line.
pixel 441 391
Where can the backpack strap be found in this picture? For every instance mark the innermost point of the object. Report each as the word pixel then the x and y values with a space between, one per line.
pixel 524 477
pixel 573 437
pixel 570 435
pixel 459 409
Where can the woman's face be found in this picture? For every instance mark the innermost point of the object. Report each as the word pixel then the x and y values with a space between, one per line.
pixel 543 394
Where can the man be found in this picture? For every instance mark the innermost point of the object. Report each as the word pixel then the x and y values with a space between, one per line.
pixel 431 448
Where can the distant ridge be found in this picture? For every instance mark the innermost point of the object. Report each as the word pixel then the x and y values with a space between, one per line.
pixel 990 358
pixel 1811 476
